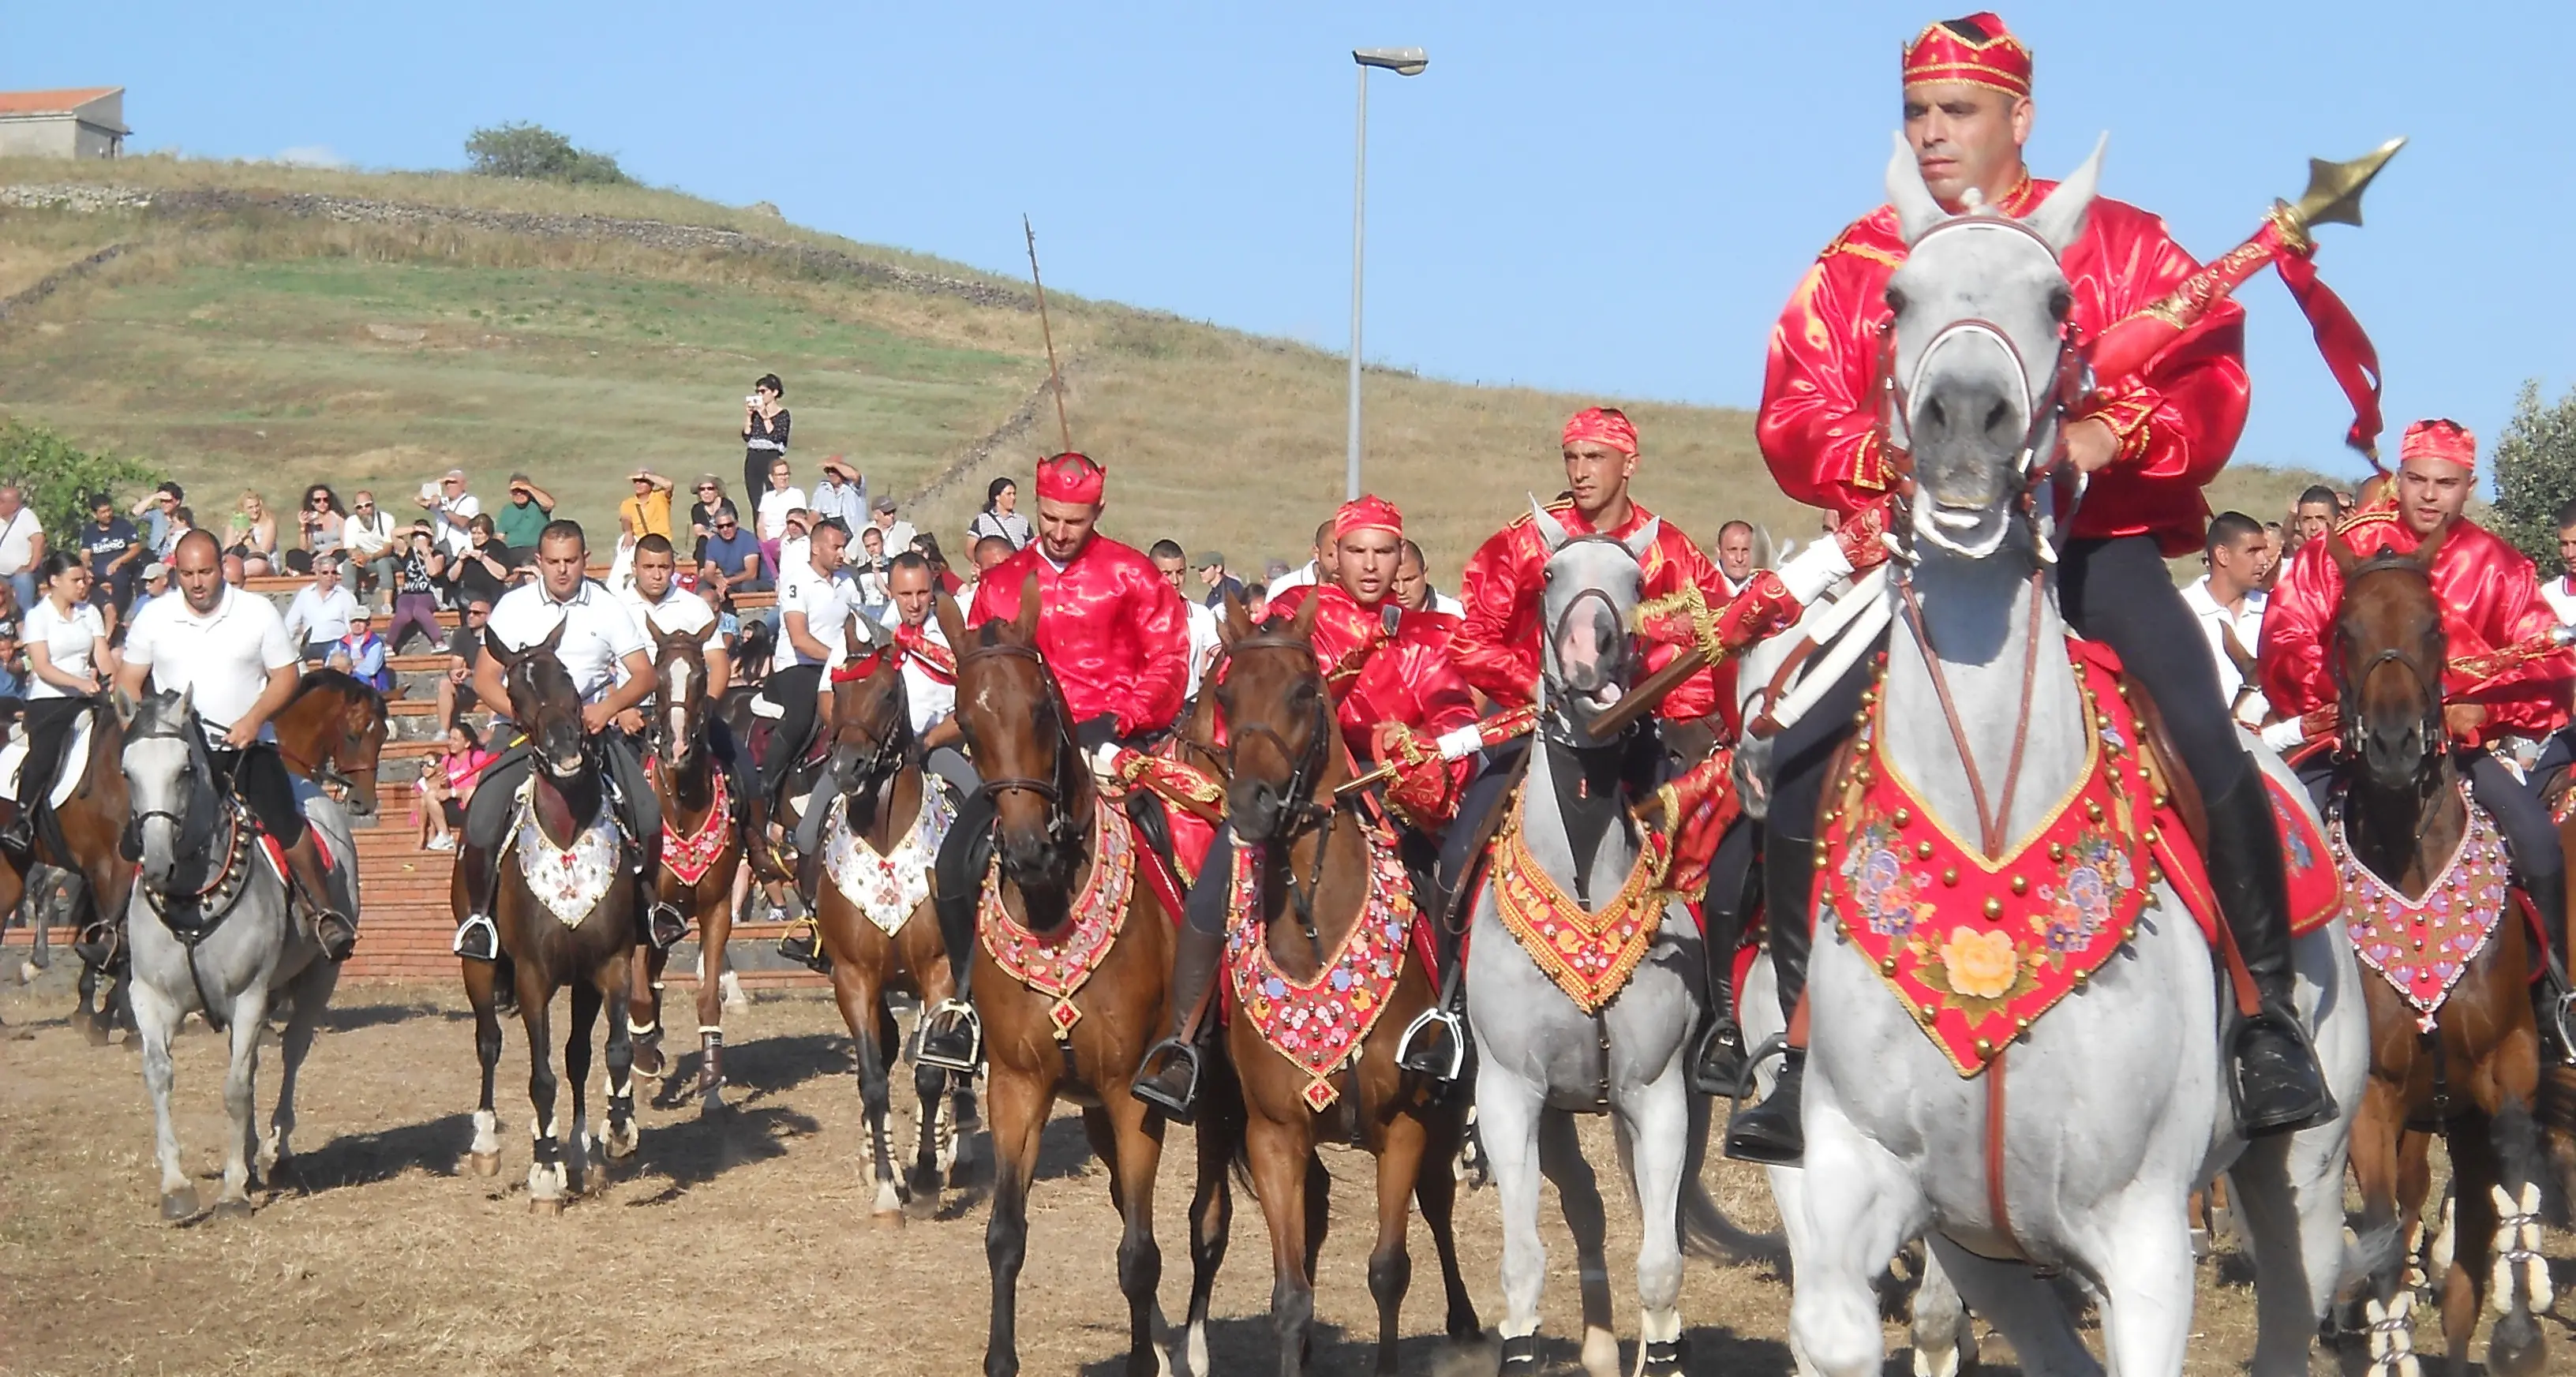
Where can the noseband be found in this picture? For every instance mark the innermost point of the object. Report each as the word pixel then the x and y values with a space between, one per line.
pixel 1308 765
pixel 1618 660
pixel 2427 687
pixel 1059 791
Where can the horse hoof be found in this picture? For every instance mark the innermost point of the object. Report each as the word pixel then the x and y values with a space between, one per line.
pixel 648 1058
pixel 711 1101
pixel 232 1209
pixel 484 1163
pixel 619 1146
pixel 179 1204
pixel 549 1206
pixel 94 1030
pixel 26 972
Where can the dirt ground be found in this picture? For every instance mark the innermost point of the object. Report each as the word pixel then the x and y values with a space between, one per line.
pixel 741 1243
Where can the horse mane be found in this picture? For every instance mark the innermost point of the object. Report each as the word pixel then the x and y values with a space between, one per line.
pixel 348 687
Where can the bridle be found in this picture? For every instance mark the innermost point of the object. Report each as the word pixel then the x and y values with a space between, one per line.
pixel 1297 798
pixel 523 675
pixel 1618 660
pixel 887 751
pixel 1062 827
pixel 327 771
pixel 2043 441
pixel 2433 772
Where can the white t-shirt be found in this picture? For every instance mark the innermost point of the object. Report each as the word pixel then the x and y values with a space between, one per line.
pixel 320 616
pixel 679 612
pixel 2560 594
pixel 897 537
pixel 795 559
pixel 1204 642
pixel 18 541
pixel 368 537
pixel 826 605
pixel 225 656
pixel 67 641
pixel 933 700
pixel 775 504
pixel 2215 624
pixel 599 633
pixel 456 539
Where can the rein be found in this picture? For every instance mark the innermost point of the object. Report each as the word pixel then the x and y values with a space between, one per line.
pixel 1990 825
pixel 1304 810
pixel 1062 825
pixel 2434 774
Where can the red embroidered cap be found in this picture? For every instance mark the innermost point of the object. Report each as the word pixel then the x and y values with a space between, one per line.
pixel 1071 477
pixel 2448 441
pixel 1368 513
pixel 1606 425
pixel 1975 50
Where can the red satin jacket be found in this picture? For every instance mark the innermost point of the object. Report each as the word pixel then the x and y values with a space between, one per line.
pixel 2490 601
pixel 1407 678
pixel 1115 634
pixel 1496 645
pixel 2177 419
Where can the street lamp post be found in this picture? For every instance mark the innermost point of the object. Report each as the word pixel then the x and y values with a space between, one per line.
pixel 1402 62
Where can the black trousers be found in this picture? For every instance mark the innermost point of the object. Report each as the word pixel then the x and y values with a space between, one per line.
pixel 487 814
pixel 2113 591
pixel 795 690
pixel 258 777
pixel 49 723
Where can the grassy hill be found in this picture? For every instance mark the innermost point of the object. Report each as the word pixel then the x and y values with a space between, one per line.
pixel 261 326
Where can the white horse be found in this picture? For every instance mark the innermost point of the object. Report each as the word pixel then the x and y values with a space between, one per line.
pixel 2117 1108
pixel 211 930
pixel 1541 1056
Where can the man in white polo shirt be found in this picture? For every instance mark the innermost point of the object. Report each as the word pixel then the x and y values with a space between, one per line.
pixel 319 617
pixel 2229 605
pixel 661 607
pixel 814 612
pixel 600 638
pixel 229 649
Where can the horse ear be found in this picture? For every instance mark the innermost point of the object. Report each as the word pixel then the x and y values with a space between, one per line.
pixel 1026 623
pixel 555 642
pixel 952 625
pixel 1236 624
pixel 1551 532
pixel 123 704
pixel 1644 538
pixel 501 654
pixel 1304 625
pixel 187 698
pixel 2341 551
pixel 2061 217
pixel 1916 210
pixel 2431 549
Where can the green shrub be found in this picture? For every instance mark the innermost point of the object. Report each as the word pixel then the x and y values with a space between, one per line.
pixel 2535 463
pixel 535 153
pixel 58 477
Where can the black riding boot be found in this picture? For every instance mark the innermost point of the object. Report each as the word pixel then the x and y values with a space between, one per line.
pixel 2279 1087
pixel 2557 1011
pixel 1773 1132
pixel 1718 1068
pixel 952 1036
pixel 1168 1078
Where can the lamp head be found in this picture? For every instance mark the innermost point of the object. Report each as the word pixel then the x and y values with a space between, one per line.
pixel 1401 61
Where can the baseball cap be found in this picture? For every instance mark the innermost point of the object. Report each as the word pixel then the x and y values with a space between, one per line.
pixel 363 614
pixel 883 504
pixel 154 570
pixel 1209 559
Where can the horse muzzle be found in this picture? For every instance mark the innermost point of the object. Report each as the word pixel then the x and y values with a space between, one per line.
pixel 1257 809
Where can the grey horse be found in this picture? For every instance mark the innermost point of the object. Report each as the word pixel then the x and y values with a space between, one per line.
pixel 1541 1056
pixel 2117 1108
pixel 211 931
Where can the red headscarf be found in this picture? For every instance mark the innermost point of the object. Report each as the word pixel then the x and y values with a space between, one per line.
pixel 1976 50
pixel 1605 425
pixel 1071 477
pixel 2448 441
pixel 1368 513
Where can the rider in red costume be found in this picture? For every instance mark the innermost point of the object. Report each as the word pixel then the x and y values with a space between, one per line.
pixel 1395 693
pixel 2501 681
pixel 2149 445
pixel 1117 639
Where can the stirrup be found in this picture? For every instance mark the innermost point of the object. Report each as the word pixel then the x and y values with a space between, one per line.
pixel 664 926
pixel 803 945
pixel 2286 1020
pixel 1182 1108
pixel 477 939
pixel 1409 1058
pixel 964 1024
pixel 335 934
pixel 1722 1037
pixel 2559 1016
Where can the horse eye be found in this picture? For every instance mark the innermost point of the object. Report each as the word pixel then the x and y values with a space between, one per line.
pixel 1895 301
pixel 2060 303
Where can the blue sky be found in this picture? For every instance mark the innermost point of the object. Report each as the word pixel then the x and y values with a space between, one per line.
pixel 1611 198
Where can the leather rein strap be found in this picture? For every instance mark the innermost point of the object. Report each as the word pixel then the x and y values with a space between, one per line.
pixel 1991 836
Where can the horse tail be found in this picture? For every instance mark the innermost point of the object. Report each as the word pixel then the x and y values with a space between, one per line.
pixel 2367 1255
pixel 1706 1232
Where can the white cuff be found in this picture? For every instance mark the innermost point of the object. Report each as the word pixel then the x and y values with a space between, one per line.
pixel 1104 760
pixel 1813 570
pixel 2285 734
pixel 1462 743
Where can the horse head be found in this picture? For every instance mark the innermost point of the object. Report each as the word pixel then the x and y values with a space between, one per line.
pixel 871 713
pixel 679 697
pixel 1979 359
pixel 544 703
pixel 1587 607
pixel 167 782
pixel 1278 721
pixel 2389 654
pixel 333 732
pixel 1014 717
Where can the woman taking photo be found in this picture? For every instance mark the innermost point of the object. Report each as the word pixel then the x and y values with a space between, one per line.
pixel 251 551
pixel 764 432
pixel 319 520
pixel 416 584
pixel 67 654
pixel 482 572
pixel 1000 517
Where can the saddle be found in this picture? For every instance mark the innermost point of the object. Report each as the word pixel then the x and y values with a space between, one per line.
pixel 68 774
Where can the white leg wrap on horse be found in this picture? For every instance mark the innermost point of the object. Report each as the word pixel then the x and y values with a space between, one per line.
pixel 635 1029
pixel 2446 1243
pixel 487 1135
pixel 2392 1336
pixel 2521 1275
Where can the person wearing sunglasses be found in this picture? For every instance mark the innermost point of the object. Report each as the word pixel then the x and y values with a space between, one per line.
pixel 730 558
pixel 367 537
pixel 709 492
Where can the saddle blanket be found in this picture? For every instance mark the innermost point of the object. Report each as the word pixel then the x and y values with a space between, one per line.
pixel 568 881
pixel 1321 1025
pixel 1058 966
pixel 67 779
pixel 2422 946
pixel 888 890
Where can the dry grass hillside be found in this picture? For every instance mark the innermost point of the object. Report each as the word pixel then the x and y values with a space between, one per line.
pixel 264 326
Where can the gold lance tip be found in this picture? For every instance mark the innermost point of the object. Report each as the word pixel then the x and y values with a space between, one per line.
pixel 2334 190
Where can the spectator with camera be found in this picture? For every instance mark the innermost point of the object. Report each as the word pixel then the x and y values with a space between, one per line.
pixel 764 432
pixel 451 508
pixel 321 527
pixel 422 573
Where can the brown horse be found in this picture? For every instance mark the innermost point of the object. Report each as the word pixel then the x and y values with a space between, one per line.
pixel 701 850
pixel 2472 1076
pixel 332 733
pixel 1323 912
pixel 1105 949
pixel 579 932
pixel 889 823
